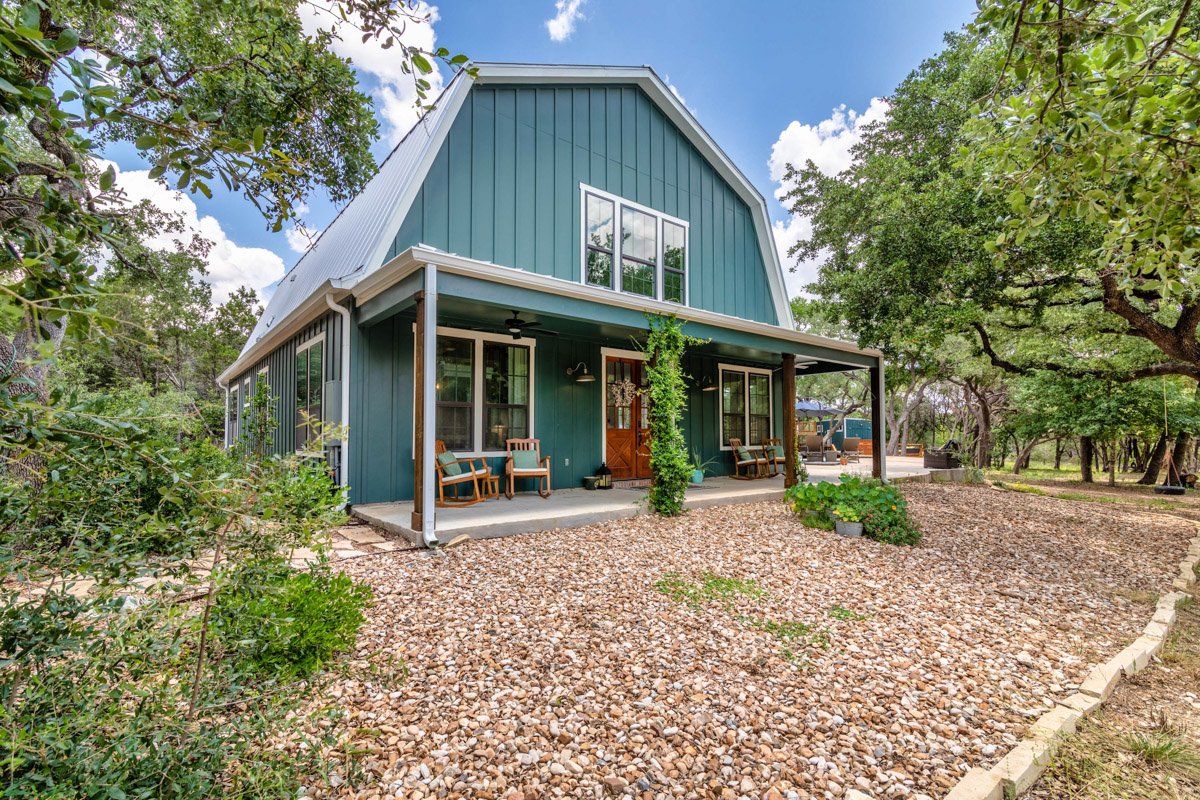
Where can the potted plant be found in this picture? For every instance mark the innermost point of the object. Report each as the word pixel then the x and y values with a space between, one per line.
pixel 699 467
pixel 847 521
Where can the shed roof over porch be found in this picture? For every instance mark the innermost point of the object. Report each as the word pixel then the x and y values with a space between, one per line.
pixel 471 290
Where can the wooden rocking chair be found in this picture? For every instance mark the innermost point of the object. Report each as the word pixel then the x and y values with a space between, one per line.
pixel 525 461
pixel 746 459
pixel 456 473
pixel 776 456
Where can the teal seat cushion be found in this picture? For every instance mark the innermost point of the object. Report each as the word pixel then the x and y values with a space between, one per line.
pixel 525 459
pixel 743 454
pixel 449 464
pixel 777 451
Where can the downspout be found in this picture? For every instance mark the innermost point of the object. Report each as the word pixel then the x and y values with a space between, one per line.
pixel 345 423
pixel 428 391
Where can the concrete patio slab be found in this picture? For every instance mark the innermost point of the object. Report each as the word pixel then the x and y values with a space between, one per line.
pixel 565 508
pixel 572 508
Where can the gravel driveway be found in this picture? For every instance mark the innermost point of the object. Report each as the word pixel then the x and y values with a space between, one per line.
pixel 735 653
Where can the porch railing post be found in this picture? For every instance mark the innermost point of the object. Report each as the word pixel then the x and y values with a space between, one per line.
pixel 424 484
pixel 878 421
pixel 789 419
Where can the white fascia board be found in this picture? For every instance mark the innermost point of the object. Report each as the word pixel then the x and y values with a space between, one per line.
pixel 453 104
pixel 414 258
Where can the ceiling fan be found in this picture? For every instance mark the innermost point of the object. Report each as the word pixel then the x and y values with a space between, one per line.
pixel 517 326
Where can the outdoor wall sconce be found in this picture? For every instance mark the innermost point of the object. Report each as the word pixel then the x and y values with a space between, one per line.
pixel 580 371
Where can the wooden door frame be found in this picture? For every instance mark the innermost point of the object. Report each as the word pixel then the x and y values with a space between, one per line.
pixel 605 354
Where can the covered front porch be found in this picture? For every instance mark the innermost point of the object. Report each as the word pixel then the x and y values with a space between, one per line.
pixel 566 508
pixel 574 508
pixel 444 321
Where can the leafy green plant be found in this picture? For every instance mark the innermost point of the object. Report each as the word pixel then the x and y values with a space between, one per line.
pixel 709 588
pixel 701 464
pixel 669 463
pixel 112 679
pixel 881 507
pixel 847 513
pixel 792 631
pixel 262 421
pixel 845 614
pixel 290 624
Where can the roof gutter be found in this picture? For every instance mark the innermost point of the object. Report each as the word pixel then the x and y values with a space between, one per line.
pixel 416 256
pixel 288 327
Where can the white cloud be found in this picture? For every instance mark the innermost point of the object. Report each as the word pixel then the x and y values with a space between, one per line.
pixel 562 24
pixel 396 97
pixel 300 238
pixel 678 94
pixel 827 144
pixel 229 264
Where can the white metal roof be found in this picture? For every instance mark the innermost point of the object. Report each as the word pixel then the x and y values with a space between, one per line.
pixel 356 243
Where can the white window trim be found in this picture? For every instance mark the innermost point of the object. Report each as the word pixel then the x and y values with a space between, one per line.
pixel 746 390
pixel 230 415
pixel 308 344
pixel 659 217
pixel 478 338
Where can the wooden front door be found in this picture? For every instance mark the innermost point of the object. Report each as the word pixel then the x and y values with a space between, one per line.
pixel 626 420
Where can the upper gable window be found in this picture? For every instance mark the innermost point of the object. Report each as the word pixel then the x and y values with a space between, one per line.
pixel 648 258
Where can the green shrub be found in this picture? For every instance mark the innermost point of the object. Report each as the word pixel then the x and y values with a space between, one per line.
pixel 881 507
pixel 128 691
pixel 292 623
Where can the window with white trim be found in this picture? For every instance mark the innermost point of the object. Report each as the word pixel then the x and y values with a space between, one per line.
pixel 630 248
pixel 483 391
pixel 234 413
pixel 746 413
pixel 309 390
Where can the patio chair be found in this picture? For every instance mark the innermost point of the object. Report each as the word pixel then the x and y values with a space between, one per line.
pixel 525 461
pixel 455 473
pixel 746 459
pixel 851 448
pixel 814 445
pixel 776 456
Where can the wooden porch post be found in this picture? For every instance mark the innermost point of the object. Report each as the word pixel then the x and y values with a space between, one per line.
pixel 789 419
pixel 878 421
pixel 424 367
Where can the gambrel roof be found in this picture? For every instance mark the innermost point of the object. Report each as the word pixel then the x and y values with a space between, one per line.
pixel 356 243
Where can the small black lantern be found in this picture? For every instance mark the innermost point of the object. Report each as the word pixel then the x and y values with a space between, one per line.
pixel 603 477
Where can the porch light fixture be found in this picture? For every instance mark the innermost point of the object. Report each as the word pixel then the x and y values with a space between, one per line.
pixel 580 371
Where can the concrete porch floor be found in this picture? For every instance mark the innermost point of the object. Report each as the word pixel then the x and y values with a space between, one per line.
pixel 573 508
pixel 527 512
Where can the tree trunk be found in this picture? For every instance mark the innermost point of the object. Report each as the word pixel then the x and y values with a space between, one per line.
pixel 1155 462
pixel 1183 442
pixel 1022 459
pixel 1086 454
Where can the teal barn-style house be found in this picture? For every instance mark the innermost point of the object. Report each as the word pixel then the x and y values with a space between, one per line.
pixel 493 282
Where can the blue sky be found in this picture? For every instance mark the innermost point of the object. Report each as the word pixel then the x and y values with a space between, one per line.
pixel 766 79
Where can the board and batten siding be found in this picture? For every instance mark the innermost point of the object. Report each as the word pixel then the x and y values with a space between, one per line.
pixel 504 187
pixel 281 377
pixel 567 415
